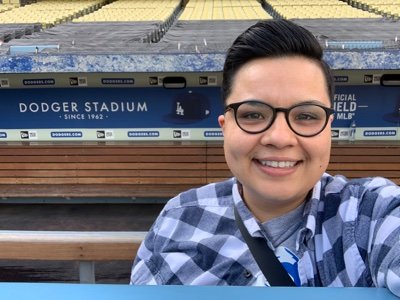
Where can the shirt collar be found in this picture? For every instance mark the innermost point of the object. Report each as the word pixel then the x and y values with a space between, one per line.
pixel 310 212
pixel 313 206
pixel 248 218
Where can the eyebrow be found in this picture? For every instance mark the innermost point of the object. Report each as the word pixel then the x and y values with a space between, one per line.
pixel 318 102
pixel 304 102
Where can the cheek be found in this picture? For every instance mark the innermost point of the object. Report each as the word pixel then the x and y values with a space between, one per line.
pixel 237 145
pixel 319 151
pixel 231 147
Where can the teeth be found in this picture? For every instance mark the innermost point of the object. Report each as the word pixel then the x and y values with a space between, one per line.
pixel 278 164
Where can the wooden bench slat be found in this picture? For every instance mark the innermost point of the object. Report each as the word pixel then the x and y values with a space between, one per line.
pixel 216 159
pixel 103 166
pixel 365 166
pixel 219 173
pixel 365 158
pixel 215 151
pixel 371 151
pixel 109 180
pixel 86 248
pixel 69 245
pixel 94 190
pixel 355 174
pixel 217 166
pixel 99 174
pixel 106 150
pixel 103 158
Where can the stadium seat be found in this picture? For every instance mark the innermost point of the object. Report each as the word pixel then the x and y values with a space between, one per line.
pixel 386 8
pixel 197 10
pixel 133 11
pixel 49 12
pixel 314 9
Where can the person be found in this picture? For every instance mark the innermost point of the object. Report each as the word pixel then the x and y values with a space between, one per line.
pixel 325 230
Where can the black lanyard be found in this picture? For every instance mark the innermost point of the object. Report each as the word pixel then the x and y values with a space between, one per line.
pixel 266 259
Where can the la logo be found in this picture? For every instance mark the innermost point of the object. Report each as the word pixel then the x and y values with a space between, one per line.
pixel 179 110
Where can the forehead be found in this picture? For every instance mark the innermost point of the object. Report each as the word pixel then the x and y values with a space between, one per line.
pixel 281 65
pixel 291 77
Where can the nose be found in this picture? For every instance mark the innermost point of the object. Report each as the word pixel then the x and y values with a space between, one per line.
pixel 279 134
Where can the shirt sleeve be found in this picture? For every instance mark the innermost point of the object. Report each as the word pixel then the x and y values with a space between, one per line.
pixel 384 243
pixel 144 271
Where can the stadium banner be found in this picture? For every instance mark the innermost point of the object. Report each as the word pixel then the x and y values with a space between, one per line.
pixel 373 110
pixel 120 114
pixel 159 114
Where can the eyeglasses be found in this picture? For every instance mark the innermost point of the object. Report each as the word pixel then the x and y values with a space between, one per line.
pixel 304 119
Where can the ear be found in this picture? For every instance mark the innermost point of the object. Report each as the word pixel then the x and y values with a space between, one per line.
pixel 221 121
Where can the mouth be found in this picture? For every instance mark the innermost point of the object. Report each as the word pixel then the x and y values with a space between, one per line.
pixel 278 164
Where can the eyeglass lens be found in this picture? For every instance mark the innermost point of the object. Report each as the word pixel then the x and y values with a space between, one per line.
pixel 304 119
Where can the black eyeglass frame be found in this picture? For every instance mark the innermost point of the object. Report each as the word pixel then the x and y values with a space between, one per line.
pixel 234 106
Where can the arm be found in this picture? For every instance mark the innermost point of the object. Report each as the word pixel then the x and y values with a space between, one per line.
pixel 384 246
pixel 143 271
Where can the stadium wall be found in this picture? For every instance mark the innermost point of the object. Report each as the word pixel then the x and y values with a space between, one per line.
pixel 110 126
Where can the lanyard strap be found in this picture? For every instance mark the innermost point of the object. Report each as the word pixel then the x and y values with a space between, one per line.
pixel 266 259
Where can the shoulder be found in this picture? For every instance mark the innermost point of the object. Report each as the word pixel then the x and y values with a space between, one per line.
pixel 193 215
pixel 202 207
pixel 364 194
pixel 359 187
pixel 217 194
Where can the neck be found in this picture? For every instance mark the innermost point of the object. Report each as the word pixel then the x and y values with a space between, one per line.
pixel 267 209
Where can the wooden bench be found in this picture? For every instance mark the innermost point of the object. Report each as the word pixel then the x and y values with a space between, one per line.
pixel 130 170
pixel 152 170
pixel 366 159
pixel 82 246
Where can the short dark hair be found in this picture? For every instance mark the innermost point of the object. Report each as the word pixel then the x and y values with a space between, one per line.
pixel 272 38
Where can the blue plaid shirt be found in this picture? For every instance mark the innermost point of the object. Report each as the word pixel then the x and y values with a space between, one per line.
pixel 350 236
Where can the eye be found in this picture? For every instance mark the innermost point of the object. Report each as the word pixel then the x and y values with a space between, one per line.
pixel 307 116
pixel 307 113
pixel 251 115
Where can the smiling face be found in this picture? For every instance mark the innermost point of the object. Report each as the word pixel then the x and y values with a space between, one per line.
pixel 277 168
